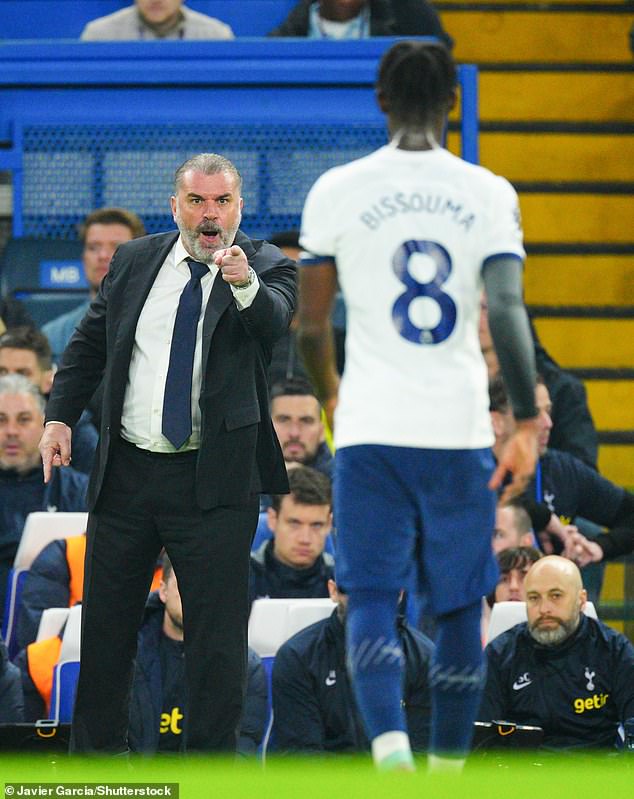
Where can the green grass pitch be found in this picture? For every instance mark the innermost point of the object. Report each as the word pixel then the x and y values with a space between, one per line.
pixel 528 777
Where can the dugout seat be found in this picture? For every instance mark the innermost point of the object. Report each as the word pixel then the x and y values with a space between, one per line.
pixel 47 304
pixel 66 670
pixel 51 622
pixel 505 615
pixel 39 530
pixel 271 623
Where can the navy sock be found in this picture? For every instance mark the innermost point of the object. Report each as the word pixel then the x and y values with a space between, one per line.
pixel 457 679
pixel 375 660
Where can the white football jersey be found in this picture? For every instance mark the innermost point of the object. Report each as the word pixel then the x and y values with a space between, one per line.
pixel 410 232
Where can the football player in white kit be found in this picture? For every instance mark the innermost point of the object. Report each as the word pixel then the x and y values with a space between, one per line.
pixel 412 234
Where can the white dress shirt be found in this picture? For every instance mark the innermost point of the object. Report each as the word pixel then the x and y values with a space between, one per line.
pixel 142 414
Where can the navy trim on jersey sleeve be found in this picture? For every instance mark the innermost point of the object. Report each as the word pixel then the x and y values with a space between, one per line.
pixel 309 259
pixel 497 255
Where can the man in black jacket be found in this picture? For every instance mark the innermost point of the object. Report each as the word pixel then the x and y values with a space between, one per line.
pixel 181 331
pixel 564 487
pixel 361 18
pixel 313 705
pixel 293 563
pixel 157 708
pixel 11 699
pixel 561 670
pixel 26 351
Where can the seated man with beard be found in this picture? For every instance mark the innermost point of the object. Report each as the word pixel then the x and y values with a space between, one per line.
pixel 561 670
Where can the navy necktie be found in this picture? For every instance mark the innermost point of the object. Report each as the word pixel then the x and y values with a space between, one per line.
pixel 177 400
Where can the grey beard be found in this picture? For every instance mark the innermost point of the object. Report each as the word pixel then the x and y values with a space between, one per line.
pixel 194 247
pixel 557 636
pixel 200 253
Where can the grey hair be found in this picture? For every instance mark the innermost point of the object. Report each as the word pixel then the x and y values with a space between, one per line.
pixel 208 164
pixel 18 384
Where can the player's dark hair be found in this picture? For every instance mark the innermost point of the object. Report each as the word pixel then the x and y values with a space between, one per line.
pixel 28 338
pixel 293 387
pixel 498 396
pixel 517 558
pixel 514 558
pixel 418 81
pixel 308 487
pixel 113 216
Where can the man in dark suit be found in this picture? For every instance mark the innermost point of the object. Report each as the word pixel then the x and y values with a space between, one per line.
pixel 186 444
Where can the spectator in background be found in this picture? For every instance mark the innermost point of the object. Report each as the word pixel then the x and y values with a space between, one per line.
pixel 358 19
pixel 296 415
pixel 561 670
pixel 313 705
pixel 22 487
pixel 606 546
pixel 55 579
pixel 513 527
pixel 157 707
pixel 13 314
pixel 293 563
pixel 514 564
pixel 155 19
pixel 563 485
pixel 573 429
pixel 286 362
pixel 101 232
pixel 26 351
pixel 572 426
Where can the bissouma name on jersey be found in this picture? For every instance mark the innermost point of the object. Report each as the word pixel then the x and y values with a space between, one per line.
pixel 402 203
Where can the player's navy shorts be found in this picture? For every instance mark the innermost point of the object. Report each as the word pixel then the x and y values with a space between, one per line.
pixel 409 517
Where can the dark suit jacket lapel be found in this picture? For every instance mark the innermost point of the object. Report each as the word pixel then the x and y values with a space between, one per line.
pixel 143 271
pixel 221 296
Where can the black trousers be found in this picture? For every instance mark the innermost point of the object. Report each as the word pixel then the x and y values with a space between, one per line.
pixel 147 502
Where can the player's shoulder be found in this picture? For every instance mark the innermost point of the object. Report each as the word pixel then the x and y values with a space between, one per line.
pixel 344 173
pixel 508 642
pixel 479 175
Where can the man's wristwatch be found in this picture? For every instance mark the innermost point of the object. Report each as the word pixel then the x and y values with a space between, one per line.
pixel 249 282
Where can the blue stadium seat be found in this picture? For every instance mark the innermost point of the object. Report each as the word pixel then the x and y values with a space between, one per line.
pixel 43 306
pixel 65 676
pixel 15 584
pixel 40 529
pixel 273 621
pixel 32 264
pixel 66 671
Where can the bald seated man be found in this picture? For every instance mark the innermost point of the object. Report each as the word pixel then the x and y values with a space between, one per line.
pixel 560 670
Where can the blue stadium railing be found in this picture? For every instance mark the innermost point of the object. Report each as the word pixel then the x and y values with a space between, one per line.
pixel 84 125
